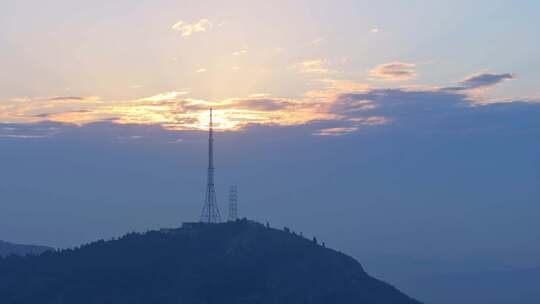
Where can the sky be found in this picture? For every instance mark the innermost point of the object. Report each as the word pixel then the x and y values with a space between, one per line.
pixel 397 128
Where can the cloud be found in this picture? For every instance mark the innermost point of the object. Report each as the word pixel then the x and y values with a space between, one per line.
pixel 312 66
pixel 18 131
pixel 30 110
pixel 335 131
pixel 173 111
pixel 176 141
pixel 375 30
pixel 262 104
pixel 188 29
pixel 480 81
pixel 259 95
pixel 67 98
pixel 394 71
pixel 437 111
pixel 123 139
pixel 317 40
pixel 340 103
pixel 201 70
pixel 353 102
pixel 165 96
pixel 239 52
pixel 400 104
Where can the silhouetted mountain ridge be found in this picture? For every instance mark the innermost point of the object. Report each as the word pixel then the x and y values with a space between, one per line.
pixel 239 262
pixel 7 248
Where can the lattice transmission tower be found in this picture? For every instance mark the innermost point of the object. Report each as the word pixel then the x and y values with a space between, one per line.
pixel 233 203
pixel 210 212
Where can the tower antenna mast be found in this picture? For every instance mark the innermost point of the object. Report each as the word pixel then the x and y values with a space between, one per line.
pixel 233 203
pixel 210 213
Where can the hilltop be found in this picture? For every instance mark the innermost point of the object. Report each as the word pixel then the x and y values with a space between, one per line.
pixel 238 262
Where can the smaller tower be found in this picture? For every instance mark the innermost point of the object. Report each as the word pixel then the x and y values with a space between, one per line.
pixel 233 203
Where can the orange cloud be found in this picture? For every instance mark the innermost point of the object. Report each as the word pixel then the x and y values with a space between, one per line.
pixel 349 105
pixel 394 71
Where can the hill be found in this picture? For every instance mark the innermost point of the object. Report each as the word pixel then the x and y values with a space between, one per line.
pixel 10 248
pixel 239 262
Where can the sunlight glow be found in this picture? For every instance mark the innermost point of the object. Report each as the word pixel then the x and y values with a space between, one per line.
pixel 174 113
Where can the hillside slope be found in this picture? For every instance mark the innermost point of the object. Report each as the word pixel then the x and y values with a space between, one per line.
pixel 240 262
